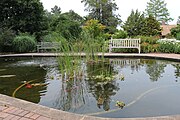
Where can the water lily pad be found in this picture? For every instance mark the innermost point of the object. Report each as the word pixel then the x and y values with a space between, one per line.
pixel 7 76
pixel 120 104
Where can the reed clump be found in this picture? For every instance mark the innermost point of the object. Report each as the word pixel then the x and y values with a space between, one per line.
pixel 78 52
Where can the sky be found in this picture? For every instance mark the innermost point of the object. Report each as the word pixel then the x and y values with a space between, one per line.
pixel 125 7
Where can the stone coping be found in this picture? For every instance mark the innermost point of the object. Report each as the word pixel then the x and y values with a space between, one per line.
pixel 54 114
pixel 174 57
pixel 62 115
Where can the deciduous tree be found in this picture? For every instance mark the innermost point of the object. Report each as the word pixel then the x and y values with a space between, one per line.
pixel 94 28
pixel 104 12
pixel 68 24
pixel 23 16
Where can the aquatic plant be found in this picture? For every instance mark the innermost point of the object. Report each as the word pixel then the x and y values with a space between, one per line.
pixel 70 63
pixel 73 64
pixel 120 104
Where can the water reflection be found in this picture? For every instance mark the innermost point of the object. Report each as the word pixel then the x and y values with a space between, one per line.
pixel 72 93
pixel 177 70
pixel 155 69
pixel 95 88
pixel 23 73
pixel 102 90
pixel 118 64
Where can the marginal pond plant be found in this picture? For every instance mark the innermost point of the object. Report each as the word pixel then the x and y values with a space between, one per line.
pixel 74 64
pixel 84 51
pixel 80 63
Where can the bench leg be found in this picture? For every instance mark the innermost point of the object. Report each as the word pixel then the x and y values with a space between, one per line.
pixel 110 49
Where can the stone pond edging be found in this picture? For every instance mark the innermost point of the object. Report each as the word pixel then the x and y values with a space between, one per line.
pixel 175 57
pixel 54 114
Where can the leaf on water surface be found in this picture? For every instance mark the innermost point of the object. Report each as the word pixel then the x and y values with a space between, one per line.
pixel 7 76
pixel 2 70
pixel 39 84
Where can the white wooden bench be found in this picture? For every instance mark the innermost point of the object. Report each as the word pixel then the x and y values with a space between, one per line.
pixel 124 43
pixel 48 46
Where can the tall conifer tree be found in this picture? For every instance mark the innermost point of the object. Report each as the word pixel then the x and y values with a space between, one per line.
pixel 157 9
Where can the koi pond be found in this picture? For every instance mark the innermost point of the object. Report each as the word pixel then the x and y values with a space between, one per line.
pixel 119 88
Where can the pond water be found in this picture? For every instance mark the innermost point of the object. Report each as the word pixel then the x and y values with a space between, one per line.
pixel 147 87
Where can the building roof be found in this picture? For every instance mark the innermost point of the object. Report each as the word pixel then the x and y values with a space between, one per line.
pixel 166 29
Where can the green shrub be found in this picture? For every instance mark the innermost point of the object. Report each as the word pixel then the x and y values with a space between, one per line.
pixel 52 37
pixel 148 43
pixel 106 36
pixel 169 47
pixel 175 31
pixel 24 43
pixel 120 34
pixel 148 39
pixel 6 38
pixel 145 47
pixel 178 36
pixel 148 48
pixel 177 48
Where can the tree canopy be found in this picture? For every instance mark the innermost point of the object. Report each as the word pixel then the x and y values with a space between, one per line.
pixel 23 16
pixel 138 24
pixel 134 23
pixel 56 10
pixel 94 28
pixel 68 24
pixel 151 27
pixel 104 12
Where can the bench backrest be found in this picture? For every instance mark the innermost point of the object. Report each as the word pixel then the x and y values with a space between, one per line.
pixel 125 43
pixel 49 44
